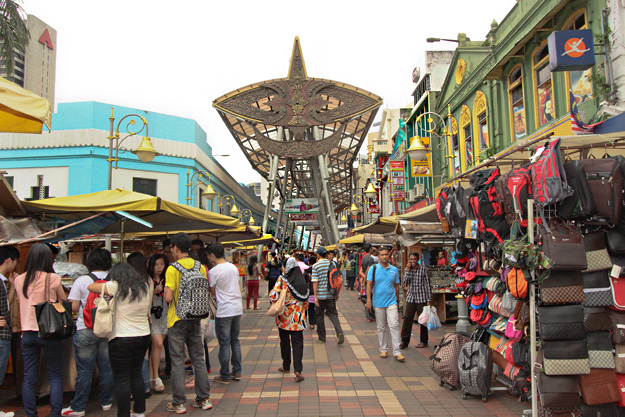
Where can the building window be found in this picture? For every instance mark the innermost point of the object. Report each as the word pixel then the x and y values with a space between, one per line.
pixel 517 102
pixel 466 139
pixel 10 180
pixel 200 200
pixel 481 123
pixel 543 94
pixel 579 82
pixel 454 148
pixel 144 186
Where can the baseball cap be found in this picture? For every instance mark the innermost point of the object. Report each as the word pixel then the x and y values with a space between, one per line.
pixel 321 250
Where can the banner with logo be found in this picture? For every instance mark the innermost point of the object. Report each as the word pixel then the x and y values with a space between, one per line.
pixel 304 219
pixel 571 50
pixel 301 205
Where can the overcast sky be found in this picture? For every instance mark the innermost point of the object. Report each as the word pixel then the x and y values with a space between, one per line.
pixel 177 57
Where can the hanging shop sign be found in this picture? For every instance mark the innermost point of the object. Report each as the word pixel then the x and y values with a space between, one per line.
pixel 422 168
pixel 398 192
pixel 571 50
pixel 301 205
pixel 301 219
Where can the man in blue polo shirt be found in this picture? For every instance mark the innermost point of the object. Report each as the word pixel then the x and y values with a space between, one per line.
pixel 383 287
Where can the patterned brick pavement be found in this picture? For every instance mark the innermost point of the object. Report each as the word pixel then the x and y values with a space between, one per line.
pixel 347 380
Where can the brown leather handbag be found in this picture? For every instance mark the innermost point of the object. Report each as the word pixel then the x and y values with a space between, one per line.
pixel 562 287
pixel 558 391
pixel 561 322
pixel 597 319
pixel 599 387
pixel 564 245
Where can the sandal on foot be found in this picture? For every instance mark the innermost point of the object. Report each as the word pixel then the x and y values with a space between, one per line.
pixel 421 345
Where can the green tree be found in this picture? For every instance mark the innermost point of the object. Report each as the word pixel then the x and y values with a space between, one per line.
pixel 14 34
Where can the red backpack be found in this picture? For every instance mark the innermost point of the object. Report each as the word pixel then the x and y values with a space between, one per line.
pixel 335 279
pixel 441 203
pixel 88 311
pixel 513 189
pixel 548 175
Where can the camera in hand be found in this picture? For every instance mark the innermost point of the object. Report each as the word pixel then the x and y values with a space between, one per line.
pixel 157 311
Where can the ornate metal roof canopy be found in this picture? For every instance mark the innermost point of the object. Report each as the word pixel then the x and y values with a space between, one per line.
pixel 342 113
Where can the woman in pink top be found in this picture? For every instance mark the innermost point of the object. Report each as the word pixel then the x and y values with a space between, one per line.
pixel 30 288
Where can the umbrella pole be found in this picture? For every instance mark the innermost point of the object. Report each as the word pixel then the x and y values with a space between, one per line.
pixel 121 242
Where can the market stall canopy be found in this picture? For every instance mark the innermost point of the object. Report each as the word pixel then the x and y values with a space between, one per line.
pixel 425 214
pixel 165 216
pixel 22 111
pixel 253 243
pixel 359 239
pixel 381 226
pixel 331 247
pixel 208 235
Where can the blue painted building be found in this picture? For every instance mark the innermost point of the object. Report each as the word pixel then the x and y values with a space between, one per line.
pixel 72 159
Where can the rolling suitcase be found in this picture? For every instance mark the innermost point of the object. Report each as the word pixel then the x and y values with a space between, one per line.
pixel 475 366
pixel 444 361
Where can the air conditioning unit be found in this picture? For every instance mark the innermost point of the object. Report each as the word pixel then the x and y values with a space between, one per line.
pixel 419 190
pixel 410 195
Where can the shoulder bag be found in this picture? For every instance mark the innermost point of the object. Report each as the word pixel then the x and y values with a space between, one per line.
pixel 597 319
pixel 564 245
pixel 600 350
pixel 54 318
pixel 597 256
pixel 618 328
pixel 619 359
pixel 563 287
pixel 103 319
pixel 561 322
pixel 567 357
pixel 277 308
pixel 558 391
pixel 599 387
pixel 597 289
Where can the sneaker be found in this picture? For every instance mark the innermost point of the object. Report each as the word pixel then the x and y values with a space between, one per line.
pixel 9 414
pixel 177 408
pixel 236 377
pixel 70 413
pixel 157 385
pixel 383 354
pixel 107 407
pixel 204 404
pixel 400 358
pixel 341 338
pixel 220 380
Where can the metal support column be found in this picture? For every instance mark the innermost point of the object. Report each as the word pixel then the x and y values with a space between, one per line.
pixel 273 171
pixel 291 236
pixel 316 180
pixel 325 179
pixel 301 237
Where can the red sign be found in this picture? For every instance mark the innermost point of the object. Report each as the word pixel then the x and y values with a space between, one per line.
pixel 420 204
pixel 399 195
pixel 374 208
pixel 46 40
pixel 397 165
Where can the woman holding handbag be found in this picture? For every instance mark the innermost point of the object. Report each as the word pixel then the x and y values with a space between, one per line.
pixel 291 289
pixel 253 274
pixel 31 289
pixel 130 334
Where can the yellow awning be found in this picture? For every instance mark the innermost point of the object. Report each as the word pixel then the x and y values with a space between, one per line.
pixel 165 216
pixel 330 247
pixel 381 226
pixel 22 111
pixel 266 239
pixel 359 239
pixel 424 214
pixel 355 239
pixel 210 235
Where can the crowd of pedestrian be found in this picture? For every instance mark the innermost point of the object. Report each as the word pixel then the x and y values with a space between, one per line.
pixel 172 299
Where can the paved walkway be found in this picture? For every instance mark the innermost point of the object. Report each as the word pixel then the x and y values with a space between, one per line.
pixel 347 380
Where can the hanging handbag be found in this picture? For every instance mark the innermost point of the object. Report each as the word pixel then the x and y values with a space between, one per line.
pixel 566 357
pixel 495 305
pixel 597 289
pixel 277 308
pixel 54 318
pixel 600 350
pixel 619 359
pixel 599 387
pixel 618 328
pixel 561 322
pixel 562 287
pixel 615 240
pixel 103 321
pixel 603 410
pixel 597 256
pixel 563 244
pixel 597 319
pixel 558 391
pixel 617 284
pixel 511 332
pixel 620 380
pixel 212 307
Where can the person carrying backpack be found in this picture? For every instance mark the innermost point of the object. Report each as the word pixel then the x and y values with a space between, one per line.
pixel 325 302
pixel 350 272
pixel 88 348
pixel 187 292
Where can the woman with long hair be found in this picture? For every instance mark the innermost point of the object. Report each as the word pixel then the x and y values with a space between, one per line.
pixel 31 290
pixel 157 265
pixel 274 269
pixel 292 322
pixel 253 273
pixel 130 338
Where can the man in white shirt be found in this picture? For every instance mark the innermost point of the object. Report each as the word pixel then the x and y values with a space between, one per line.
pixel 88 348
pixel 224 283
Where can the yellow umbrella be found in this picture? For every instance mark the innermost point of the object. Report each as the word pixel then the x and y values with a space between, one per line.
pixel 165 216
pixel 22 111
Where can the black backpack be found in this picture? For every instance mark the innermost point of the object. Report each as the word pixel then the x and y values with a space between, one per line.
pixel 488 209
pixel 455 211
pixel 581 204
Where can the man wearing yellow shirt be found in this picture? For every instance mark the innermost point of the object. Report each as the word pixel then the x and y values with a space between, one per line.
pixel 181 332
